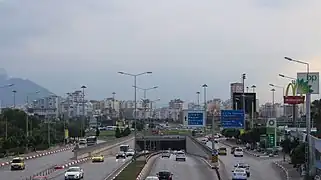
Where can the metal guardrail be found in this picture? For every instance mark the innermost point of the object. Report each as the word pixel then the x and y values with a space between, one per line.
pixel 89 149
pixel 42 173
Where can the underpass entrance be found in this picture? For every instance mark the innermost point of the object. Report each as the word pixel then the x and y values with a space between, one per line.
pixel 155 143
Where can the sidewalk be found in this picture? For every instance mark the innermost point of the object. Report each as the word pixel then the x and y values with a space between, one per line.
pixel 287 170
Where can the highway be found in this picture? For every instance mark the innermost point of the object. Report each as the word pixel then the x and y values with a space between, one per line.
pixel 260 169
pixel 99 170
pixel 36 165
pixel 191 169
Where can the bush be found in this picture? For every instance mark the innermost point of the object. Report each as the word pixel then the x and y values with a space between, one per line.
pixel 118 133
pixel 298 155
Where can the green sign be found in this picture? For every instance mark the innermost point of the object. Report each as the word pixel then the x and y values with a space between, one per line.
pixel 271 140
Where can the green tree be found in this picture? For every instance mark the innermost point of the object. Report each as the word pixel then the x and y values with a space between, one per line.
pixel 97 132
pixel 286 145
pixel 316 115
pixel 298 155
pixel 126 131
pixel 118 133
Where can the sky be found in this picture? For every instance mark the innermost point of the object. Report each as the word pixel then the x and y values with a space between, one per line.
pixel 63 45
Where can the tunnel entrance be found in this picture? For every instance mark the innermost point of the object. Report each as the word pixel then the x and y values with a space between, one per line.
pixel 155 143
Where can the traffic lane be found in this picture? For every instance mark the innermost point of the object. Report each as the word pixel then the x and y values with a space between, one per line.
pixel 260 169
pixel 36 165
pixel 98 170
pixel 192 169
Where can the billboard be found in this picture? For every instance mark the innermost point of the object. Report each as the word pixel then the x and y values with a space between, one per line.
pixel 312 82
pixel 250 100
pixel 194 118
pixel 233 119
pixel 294 98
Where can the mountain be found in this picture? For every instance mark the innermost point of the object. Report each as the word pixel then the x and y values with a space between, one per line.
pixel 24 88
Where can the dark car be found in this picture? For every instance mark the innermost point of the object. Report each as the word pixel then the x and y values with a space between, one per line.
pixel 164 175
pixel 121 156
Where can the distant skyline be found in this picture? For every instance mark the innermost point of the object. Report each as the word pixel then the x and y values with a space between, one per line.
pixel 61 46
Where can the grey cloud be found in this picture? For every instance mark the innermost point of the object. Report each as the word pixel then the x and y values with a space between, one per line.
pixel 194 42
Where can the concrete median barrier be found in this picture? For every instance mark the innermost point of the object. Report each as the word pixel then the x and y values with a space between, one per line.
pixel 91 150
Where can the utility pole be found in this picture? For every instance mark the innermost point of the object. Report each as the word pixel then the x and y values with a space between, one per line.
pixel 205 106
pixel 14 98
pixel 83 111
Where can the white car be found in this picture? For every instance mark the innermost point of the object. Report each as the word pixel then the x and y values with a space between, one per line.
pixel 152 178
pixel 130 152
pixel 244 166
pixel 180 156
pixel 238 152
pixel 239 174
pixel 74 173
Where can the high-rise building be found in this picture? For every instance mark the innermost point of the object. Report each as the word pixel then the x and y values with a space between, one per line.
pixel 236 88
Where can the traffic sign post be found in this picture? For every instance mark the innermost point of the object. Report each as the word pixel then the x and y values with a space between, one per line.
pixel 194 118
pixel 233 119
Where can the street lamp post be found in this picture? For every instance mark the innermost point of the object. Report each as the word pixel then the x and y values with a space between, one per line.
pixel 113 101
pixel 135 100
pixel 198 99
pixel 243 95
pixel 205 106
pixel 308 119
pixel 83 111
pixel 150 122
pixel 27 117
pixel 253 88
pixel 6 120
pixel 145 95
pixel 294 106
pixel 14 98
pixel 273 106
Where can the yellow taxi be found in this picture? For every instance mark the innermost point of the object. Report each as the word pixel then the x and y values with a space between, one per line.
pixel 98 158
pixel 222 151
pixel 18 163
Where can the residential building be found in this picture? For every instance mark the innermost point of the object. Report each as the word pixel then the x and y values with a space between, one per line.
pixel 47 106
pixel 236 88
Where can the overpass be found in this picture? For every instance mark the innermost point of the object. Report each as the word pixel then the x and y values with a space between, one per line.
pixel 174 142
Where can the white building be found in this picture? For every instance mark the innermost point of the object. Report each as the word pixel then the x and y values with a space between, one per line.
pixel 47 106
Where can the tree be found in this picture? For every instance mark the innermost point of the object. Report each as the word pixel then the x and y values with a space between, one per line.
pixel 118 133
pixel 286 145
pixel 316 115
pixel 97 132
pixel 126 131
pixel 298 155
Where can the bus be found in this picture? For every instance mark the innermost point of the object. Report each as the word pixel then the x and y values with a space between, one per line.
pixel 124 148
pixel 91 140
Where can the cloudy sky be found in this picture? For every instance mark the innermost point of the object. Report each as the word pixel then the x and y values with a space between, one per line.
pixel 63 44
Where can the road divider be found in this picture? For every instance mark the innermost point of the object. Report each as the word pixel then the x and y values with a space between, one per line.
pixel 150 160
pixel 39 155
pixel 208 151
pixel 117 172
pixel 91 150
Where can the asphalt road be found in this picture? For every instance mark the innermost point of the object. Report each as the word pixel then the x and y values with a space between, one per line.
pixel 260 169
pixel 191 169
pixel 36 165
pixel 98 171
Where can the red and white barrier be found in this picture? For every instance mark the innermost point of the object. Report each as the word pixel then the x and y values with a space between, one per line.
pixel 40 155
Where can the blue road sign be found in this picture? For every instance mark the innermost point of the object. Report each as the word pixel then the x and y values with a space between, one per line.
pixel 195 118
pixel 232 119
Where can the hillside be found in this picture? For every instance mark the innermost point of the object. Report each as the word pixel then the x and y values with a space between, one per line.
pixel 23 87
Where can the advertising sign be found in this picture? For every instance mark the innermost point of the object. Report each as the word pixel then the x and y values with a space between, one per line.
pixel 294 99
pixel 232 119
pixel 250 102
pixel 194 118
pixel 295 87
pixel 311 82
